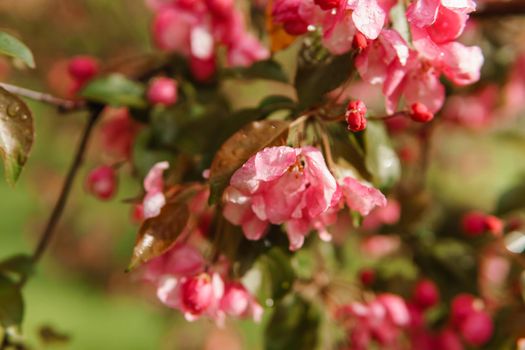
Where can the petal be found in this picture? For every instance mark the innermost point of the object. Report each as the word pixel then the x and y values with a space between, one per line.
pixel 360 197
pixel 423 13
pixel 153 181
pixel 462 64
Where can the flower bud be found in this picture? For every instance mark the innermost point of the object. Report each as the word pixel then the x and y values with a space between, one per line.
pixel 462 306
pixel 494 225
pixel 327 4
pixel 420 113
pixel 83 68
pixel 477 328
pixel 197 293
pixel 101 182
pixel 356 115
pixel 359 42
pixel 162 91
pixel 426 294
pixel 236 300
pixel 473 223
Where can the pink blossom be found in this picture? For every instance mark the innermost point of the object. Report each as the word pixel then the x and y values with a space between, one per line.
pixel 387 215
pixel 102 182
pixel 118 132
pixel 194 296
pixel 360 197
pixel 181 260
pixel 238 302
pixel 474 111
pixel 154 199
pixel 280 185
pixel 378 246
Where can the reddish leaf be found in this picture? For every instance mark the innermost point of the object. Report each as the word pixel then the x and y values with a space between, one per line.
pixel 158 234
pixel 240 147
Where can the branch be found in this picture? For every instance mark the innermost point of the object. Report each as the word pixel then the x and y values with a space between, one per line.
pixel 63 105
pixel 66 188
pixel 500 9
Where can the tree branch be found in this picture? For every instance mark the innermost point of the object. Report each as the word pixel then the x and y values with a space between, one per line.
pixel 500 9
pixel 63 105
pixel 66 188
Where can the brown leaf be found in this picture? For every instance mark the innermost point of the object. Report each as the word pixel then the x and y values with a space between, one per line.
pixel 158 234
pixel 16 134
pixel 240 147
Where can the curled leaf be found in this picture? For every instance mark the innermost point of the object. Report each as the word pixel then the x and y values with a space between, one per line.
pixel 16 134
pixel 115 90
pixel 11 46
pixel 159 233
pixel 240 147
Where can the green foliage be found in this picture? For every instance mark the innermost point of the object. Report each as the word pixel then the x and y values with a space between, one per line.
pixel 16 134
pixel 278 273
pixel 20 265
pixel 265 70
pixel 313 81
pixel 512 199
pixel 11 46
pixel 11 303
pixel 381 159
pixel 115 90
pixel 294 325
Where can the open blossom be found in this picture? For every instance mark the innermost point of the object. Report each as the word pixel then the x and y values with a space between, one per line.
pixel 280 185
pixel 381 320
pixel 195 29
pixel 340 20
pixel 154 199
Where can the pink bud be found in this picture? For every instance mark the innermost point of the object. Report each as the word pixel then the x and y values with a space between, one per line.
pixel 220 8
pixel 197 293
pixel 162 91
pixel 494 225
pixel 396 308
pixel 473 223
pixel 426 294
pixel 355 115
pixel 236 300
pixel 102 182
pixel 202 69
pixel 420 113
pixel 83 68
pixel 359 42
pixel 477 328
pixel 462 306
pixel 448 340
pixel 327 4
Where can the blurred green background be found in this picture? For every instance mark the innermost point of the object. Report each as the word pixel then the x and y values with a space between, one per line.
pixel 80 289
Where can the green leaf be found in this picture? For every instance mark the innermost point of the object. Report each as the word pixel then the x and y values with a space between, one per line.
pixel 240 147
pixel 16 134
pixel 276 264
pixel 381 159
pixel 313 81
pixel 11 303
pixel 265 70
pixel 159 233
pixel 11 46
pixel 20 264
pixel 512 199
pixel 294 325
pixel 115 90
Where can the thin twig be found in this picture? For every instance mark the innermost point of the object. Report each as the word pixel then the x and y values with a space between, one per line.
pixel 500 9
pixel 66 188
pixel 63 105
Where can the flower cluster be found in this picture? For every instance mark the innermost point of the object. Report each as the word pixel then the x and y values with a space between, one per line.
pixel 292 186
pixel 196 28
pixel 403 70
pixel 183 283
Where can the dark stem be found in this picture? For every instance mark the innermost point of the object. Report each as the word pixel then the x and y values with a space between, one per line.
pixel 500 9
pixel 66 188
pixel 63 105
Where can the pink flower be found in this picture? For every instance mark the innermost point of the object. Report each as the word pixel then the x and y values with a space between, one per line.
pixel 280 185
pixel 181 260
pixel 474 111
pixel 162 91
pixel 387 215
pixel 118 132
pixel 101 182
pixel 154 199
pixel 360 197
pixel 238 302
pixel 194 296
pixel 378 246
